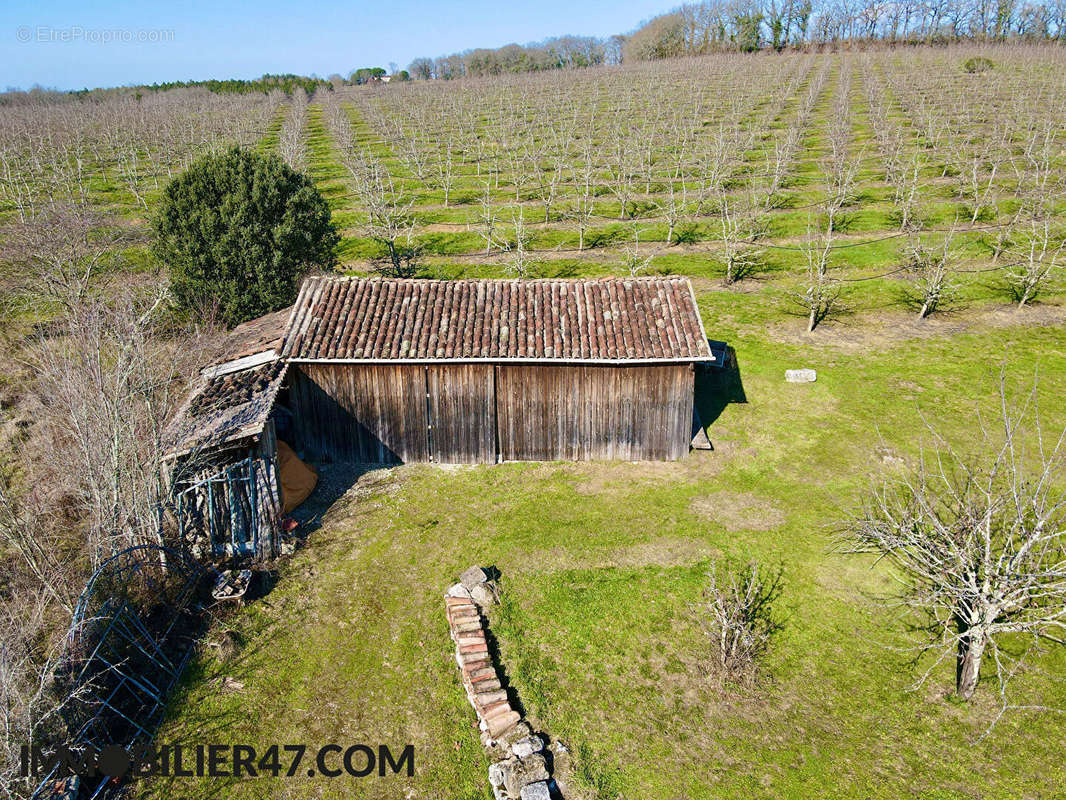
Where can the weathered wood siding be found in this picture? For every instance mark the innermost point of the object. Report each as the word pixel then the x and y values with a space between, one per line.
pixel 578 413
pixel 361 413
pixel 462 413
pixel 474 413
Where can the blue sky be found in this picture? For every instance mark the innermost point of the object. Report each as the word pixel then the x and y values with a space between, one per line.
pixel 71 45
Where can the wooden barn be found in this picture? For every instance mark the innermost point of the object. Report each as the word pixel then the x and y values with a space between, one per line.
pixel 480 371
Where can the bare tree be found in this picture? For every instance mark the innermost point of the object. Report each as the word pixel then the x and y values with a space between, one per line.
pixel 820 292
pixel 674 206
pixel 929 269
pixel 715 162
pixel 633 260
pixel 80 483
pixel 445 166
pixel 1036 259
pixel 413 155
pixel 582 207
pixel 739 618
pixel 31 532
pixel 31 701
pixel 840 171
pixel 519 262
pixel 621 171
pixel 389 220
pixel 88 484
pixel 779 162
pixel 549 176
pixel 488 218
pixel 741 226
pixel 978 165
pixel 907 189
pixel 977 540
pixel 134 171
pixel 60 251
pixel 104 392
pixel 292 141
pixel 517 158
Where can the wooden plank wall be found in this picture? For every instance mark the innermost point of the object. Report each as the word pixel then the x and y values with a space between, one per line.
pixel 462 412
pixel 474 413
pixel 366 413
pixel 590 412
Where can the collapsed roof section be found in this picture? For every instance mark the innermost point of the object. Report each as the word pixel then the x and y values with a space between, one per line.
pixel 234 396
pixel 224 408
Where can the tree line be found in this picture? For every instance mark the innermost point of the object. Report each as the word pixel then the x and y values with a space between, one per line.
pixel 287 83
pixel 561 52
pixel 716 26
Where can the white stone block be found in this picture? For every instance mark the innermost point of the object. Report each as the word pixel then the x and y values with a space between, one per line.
pixel 536 791
pixel 801 375
pixel 527 746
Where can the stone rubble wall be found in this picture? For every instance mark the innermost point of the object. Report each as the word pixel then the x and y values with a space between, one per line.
pixel 523 761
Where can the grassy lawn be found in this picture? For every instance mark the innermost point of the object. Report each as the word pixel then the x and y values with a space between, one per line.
pixel 603 567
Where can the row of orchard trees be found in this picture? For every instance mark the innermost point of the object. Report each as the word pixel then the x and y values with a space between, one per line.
pixel 621 134
pixel 75 150
pixel 713 147
pixel 646 131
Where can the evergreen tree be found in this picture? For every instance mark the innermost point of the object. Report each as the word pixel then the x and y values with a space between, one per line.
pixel 237 231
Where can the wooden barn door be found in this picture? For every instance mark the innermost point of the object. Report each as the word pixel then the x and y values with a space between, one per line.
pixel 362 413
pixel 577 413
pixel 462 413
pixel 542 412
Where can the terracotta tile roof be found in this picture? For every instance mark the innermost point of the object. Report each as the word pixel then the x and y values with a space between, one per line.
pixel 255 336
pixel 225 408
pixel 608 320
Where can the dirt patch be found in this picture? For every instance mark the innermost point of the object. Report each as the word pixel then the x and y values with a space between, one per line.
pixel 866 332
pixel 595 478
pixel 601 478
pixel 738 511
pixel 665 551
pixel 752 285
pixel 339 485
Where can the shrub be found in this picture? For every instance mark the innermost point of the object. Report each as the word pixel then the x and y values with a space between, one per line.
pixel 739 618
pixel 978 64
pixel 238 230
